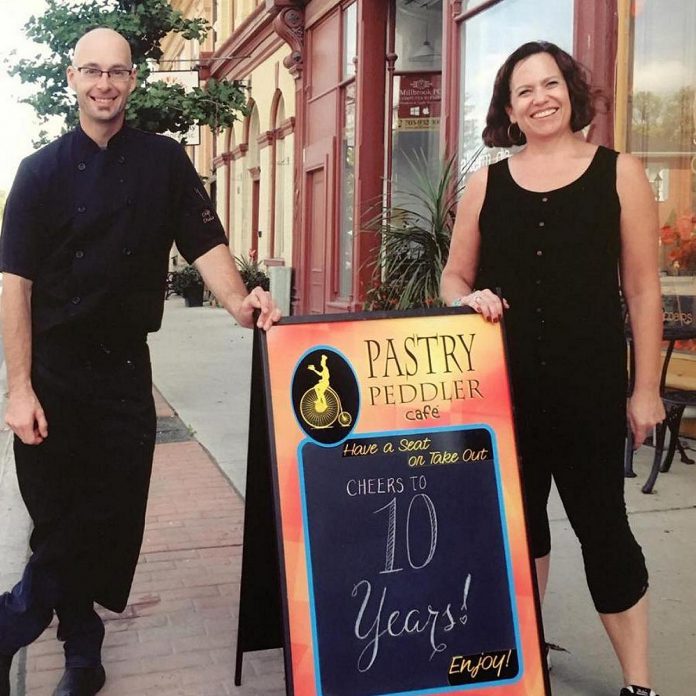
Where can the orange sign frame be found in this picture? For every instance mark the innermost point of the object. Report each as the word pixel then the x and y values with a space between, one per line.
pixel 415 373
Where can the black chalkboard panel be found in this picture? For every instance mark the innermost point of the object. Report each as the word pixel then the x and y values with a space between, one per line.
pixel 405 575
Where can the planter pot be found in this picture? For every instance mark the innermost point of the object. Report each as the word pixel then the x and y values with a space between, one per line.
pixel 193 296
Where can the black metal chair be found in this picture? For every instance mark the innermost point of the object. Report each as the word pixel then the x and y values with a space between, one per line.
pixel 169 286
pixel 675 401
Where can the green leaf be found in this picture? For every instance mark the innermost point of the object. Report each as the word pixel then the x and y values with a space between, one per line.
pixel 144 23
pixel 415 233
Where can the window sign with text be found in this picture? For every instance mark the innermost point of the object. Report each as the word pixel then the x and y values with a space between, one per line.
pixel 419 101
pixel 404 553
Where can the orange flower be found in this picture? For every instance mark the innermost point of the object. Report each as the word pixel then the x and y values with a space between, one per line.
pixel 667 234
pixel 684 226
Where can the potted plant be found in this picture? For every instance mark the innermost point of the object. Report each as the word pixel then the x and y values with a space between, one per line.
pixel 251 272
pixel 188 283
pixel 679 235
pixel 415 231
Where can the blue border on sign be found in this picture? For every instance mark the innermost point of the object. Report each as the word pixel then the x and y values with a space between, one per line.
pixel 506 544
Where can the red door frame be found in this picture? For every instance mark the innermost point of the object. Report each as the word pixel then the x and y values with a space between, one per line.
pixel 320 155
pixel 370 119
pixel 255 203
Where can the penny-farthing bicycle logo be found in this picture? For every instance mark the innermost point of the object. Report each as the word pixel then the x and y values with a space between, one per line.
pixel 325 395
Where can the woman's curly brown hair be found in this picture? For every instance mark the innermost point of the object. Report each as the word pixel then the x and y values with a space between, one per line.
pixel 582 96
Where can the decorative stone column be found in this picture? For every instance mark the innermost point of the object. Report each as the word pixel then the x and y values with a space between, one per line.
pixel 289 25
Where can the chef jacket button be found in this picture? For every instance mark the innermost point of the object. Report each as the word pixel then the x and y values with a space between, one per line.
pixel 545 199
pixel 127 251
pixel 539 252
pixel 82 166
pixel 81 209
pixel 541 224
pixel 121 159
pixel 79 254
pixel 76 300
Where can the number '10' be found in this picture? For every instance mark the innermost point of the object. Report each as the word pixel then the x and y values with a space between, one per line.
pixel 391 533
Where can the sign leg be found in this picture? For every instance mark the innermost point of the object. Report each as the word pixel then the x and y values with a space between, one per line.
pixel 260 611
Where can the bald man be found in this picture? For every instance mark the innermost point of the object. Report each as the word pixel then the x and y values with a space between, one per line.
pixel 86 237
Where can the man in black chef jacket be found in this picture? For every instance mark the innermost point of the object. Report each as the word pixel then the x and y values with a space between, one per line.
pixel 85 243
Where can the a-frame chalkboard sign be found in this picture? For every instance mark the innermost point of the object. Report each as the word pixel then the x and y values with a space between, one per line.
pixel 385 543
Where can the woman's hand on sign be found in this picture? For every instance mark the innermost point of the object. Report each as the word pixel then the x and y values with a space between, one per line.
pixel 459 274
pixel 486 303
pixel 645 411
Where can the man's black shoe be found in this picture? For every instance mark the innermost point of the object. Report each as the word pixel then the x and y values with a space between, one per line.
pixel 5 663
pixel 81 681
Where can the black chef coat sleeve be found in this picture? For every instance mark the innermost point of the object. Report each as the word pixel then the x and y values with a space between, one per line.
pixel 198 228
pixel 22 225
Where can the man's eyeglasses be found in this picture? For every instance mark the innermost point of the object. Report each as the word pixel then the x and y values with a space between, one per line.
pixel 115 74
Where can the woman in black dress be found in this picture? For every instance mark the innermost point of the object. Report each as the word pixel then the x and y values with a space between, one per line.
pixel 558 227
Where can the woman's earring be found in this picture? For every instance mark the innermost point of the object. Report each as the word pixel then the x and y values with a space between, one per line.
pixel 514 139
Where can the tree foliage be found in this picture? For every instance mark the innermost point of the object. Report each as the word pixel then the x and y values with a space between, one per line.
pixel 155 106
pixel 663 122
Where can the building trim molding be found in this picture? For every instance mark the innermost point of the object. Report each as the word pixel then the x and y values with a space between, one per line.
pixel 289 24
pixel 239 151
pixel 287 127
pixel 239 47
pixel 266 138
pixel 222 159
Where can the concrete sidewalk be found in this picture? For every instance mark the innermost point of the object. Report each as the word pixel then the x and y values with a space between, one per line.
pixel 177 635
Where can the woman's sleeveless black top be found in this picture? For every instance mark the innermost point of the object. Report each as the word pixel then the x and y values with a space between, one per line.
pixel 555 258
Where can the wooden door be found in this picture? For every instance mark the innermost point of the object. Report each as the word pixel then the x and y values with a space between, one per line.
pixel 255 189
pixel 316 219
pixel 321 128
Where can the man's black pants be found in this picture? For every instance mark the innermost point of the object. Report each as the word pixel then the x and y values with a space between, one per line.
pixel 85 488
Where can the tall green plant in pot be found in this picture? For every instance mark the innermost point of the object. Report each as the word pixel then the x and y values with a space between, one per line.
pixel 188 283
pixel 252 274
pixel 415 230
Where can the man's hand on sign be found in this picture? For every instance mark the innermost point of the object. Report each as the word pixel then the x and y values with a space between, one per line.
pixel 259 299
pixel 26 417
pixel 222 276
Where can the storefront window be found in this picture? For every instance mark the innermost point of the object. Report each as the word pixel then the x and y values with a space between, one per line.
pixel 662 127
pixel 348 193
pixel 280 166
pixel 486 41
pixel 350 40
pixel 416 91
pixel 347 161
